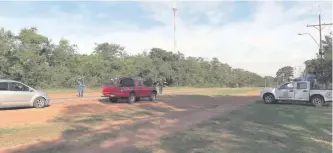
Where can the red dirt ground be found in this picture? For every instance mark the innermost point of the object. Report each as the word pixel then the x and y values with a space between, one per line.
pixel 29 116
pixel 197 109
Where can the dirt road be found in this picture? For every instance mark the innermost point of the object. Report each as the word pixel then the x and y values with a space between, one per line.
pixel 193 109
pixel 62 103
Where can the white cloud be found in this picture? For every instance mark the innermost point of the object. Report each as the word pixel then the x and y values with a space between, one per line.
pixel 263 44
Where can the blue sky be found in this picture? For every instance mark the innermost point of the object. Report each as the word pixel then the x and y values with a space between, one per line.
pixel 254 35
pixel 108 12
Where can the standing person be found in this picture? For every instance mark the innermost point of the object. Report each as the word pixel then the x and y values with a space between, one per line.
pixel 161 86
pixel 80 87
pixel 155 84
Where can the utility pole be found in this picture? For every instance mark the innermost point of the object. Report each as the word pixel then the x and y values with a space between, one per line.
pixel 319 28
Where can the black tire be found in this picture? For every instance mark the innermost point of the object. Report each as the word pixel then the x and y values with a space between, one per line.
pixel 152 96
pixel 114 100
pixel 137 99
pixel 131 98
pixel 318 101
pixel 39 102
pixel 269 98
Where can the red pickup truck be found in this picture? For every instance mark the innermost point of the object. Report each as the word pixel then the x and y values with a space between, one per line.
pixel 130 88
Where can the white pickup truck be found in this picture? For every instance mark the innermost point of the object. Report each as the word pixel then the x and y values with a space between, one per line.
pixel 297 91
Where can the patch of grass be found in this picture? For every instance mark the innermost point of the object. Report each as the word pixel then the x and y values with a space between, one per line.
pixel 75 129
pixel 96 118
pixel 160 109
pixel 227 91
pixel 258 128
pixel 135 149
pixel 70 90
pixel 21 135
pixel 126 114
pixel 10 130
pixel 18 129
pixel 233 91
pixel 82 141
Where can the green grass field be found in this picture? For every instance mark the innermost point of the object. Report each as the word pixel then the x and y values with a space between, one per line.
pixel 67 90
pixel 255 128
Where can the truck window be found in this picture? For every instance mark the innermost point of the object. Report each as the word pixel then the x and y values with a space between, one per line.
pixel 3 86
pixel 148 83
pixel 140 83
pixel 302 85
pixel 287 86
pixel 111 82
pixel 315 85
pixel 127 82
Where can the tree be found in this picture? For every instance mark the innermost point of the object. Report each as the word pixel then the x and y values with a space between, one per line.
pixel 313 66
pixel 284 73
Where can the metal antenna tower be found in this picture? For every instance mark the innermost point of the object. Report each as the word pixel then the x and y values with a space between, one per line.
pixel 174 8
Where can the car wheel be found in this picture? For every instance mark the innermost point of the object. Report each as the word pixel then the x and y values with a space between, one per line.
pixel 152 96
pixel 269 98
pixel 317 101
pixel 131 98
pixel 114 100
pixel 39 102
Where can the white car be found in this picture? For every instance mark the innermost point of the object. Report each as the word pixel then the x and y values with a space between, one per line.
pixel 297 91
pixel 18 94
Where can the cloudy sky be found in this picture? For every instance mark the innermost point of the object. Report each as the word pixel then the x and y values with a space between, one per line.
pixel 254 35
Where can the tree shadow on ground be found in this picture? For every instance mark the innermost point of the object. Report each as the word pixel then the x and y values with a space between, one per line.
pixel 256 128
pixel 97 131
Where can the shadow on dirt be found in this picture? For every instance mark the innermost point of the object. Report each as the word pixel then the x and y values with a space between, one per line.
pixel 98 132
pixel 292 103
pixel 19 108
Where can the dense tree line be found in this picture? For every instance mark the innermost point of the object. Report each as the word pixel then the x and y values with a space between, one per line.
pixel 34 59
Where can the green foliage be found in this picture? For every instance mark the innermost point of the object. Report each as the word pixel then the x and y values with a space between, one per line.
pixel 284 73
pixel 33 59
pixel 314 65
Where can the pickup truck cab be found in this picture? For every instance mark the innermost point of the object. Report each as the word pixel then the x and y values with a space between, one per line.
pixel 130 88
pixel 297 91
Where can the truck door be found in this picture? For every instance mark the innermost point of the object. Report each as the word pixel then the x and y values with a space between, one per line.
pixel 302 91
pixel 126 86
pixel 286 92
pixel 139 88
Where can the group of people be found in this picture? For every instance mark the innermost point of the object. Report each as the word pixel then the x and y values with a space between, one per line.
pixel 80 86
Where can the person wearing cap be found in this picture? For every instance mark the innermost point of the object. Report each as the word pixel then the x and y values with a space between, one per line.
pixel 80 87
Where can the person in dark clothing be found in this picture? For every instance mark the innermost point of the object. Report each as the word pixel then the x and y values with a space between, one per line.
pixel 80 87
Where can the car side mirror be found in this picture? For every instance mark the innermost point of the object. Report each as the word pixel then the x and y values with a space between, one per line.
pixel 31 90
